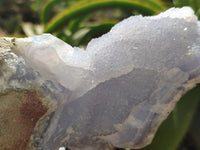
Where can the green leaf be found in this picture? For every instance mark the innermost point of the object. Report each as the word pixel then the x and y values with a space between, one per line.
pixel 173 129
pixel 145 7
pixel 51 4
pixel 192 138
pixel 74 25
pixel 195 4
pixel 180 3
pixel 96 31
pixel 45 16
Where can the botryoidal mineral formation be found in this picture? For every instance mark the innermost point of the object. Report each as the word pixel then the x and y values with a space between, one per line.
pixel 115 93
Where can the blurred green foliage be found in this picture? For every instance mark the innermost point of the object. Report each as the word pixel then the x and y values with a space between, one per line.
pixel 93 13
pixel 14 12
pixel 78 21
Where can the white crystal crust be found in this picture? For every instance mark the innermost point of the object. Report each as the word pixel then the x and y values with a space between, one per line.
pixel 125 83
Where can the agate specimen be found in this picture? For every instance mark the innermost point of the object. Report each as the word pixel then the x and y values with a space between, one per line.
pixel 115 93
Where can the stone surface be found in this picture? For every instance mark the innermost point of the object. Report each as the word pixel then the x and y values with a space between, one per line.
pixel 117 92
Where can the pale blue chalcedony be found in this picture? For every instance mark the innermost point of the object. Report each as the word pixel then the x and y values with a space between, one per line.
pixel 119 90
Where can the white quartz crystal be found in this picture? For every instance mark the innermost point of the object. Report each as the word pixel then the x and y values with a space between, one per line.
pixel 119 90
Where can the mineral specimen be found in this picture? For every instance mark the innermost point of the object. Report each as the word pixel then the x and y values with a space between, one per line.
pixel 115 93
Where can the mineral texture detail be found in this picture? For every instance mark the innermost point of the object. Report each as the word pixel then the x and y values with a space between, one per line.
pixel 115 93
